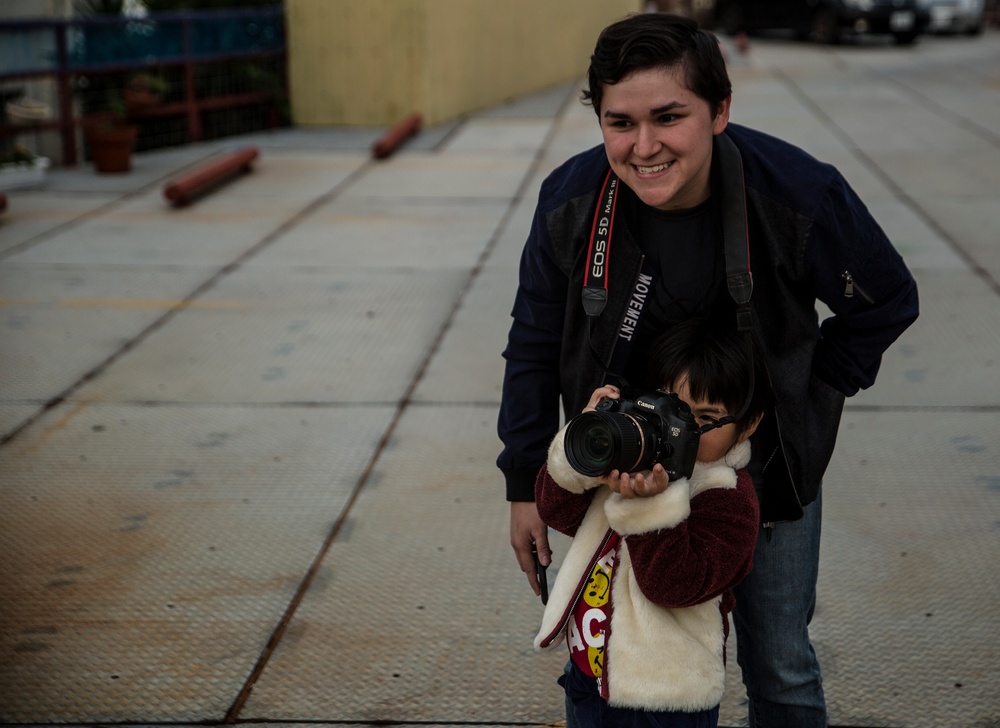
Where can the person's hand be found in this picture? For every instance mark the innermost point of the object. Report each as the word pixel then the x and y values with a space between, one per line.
pixel 526 530
pixel 637 485
pixel 608 391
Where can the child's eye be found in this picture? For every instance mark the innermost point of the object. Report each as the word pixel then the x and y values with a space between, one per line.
pixel 667 118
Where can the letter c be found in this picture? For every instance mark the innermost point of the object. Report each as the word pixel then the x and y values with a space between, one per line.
pixel 589 618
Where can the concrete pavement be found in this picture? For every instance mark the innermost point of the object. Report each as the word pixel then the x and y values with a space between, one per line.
pixel 247 446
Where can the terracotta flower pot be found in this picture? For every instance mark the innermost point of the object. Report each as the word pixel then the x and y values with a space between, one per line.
pixel 111 147
pixel 138 100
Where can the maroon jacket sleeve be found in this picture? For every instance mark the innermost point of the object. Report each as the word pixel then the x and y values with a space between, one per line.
pixel 704 556
pixel 557 507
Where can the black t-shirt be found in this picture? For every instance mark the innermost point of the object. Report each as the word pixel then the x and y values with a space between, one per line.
pixel 684 254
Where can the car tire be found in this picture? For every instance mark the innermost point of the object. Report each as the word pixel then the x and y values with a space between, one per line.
pixel 905 39
pixel 825 28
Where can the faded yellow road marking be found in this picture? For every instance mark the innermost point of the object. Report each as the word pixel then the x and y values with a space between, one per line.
pixel 60 424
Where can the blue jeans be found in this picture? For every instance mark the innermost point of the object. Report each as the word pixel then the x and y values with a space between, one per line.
pixel 774 606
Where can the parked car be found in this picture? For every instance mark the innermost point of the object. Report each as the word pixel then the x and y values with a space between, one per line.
pixel 955 16
pixel 826 21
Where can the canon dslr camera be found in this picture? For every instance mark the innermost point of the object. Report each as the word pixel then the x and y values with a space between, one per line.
pixel 633 435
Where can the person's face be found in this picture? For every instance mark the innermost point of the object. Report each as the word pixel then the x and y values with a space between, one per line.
pixel 658 137
pixel 715 443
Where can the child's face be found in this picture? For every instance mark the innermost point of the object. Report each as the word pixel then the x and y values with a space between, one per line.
pixel 715 443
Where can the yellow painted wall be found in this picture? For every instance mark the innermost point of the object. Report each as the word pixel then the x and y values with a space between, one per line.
pixel 372 62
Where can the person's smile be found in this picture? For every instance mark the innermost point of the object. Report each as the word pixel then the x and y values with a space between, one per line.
pixel 655 169
pixel 658 137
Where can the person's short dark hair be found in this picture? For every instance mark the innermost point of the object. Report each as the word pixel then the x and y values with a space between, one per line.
pixel 717 364
pixel 658 40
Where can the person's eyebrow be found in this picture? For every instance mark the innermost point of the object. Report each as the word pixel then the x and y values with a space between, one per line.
pixel 712 409
pixel 673 105
pixel 667 107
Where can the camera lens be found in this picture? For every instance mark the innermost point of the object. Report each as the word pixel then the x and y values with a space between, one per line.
pixel 598 442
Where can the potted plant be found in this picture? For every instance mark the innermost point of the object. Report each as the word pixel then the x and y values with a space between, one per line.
pixel 106 130
pixel 143 91
pixel 111 139
pixel 22 168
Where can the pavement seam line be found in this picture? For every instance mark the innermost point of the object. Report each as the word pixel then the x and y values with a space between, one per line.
pixel 96 212
pixel 232 715
pixel 984 133
pixel 891 184
pixel 185 303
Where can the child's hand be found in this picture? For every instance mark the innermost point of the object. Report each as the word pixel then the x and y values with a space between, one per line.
pixel 608 391
pixel 640 485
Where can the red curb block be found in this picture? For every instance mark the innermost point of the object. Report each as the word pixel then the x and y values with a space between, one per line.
pixel 183 190
pixel 392 139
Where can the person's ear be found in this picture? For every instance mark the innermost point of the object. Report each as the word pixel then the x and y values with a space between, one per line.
pixel 721 120
pixel 752 428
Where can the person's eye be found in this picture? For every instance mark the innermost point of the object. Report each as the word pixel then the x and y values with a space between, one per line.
pixel 667 118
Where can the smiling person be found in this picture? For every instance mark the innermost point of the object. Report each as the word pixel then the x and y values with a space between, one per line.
pixel 663 223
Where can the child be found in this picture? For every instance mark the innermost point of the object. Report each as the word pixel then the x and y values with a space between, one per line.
pixel 644 593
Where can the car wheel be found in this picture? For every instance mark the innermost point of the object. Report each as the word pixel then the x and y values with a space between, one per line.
pixel 825 28
pixel 905 38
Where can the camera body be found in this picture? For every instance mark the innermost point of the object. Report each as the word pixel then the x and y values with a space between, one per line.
pixel 633 435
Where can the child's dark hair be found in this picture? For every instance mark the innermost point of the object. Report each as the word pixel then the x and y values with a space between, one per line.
pixel 717 365
pixel 658 40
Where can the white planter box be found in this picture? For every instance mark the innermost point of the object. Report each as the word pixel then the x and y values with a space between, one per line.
pixel 24 174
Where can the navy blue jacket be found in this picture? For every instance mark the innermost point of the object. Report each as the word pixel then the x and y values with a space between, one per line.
pixel 810 237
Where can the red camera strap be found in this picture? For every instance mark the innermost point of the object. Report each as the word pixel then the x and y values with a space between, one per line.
pixel 595 280
pixel 736 242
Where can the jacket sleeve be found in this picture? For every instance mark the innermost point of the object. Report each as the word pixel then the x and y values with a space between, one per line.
pixel 860 276
pixel 559 508
pixel 704 555
pixel 529 404
pixel 562 494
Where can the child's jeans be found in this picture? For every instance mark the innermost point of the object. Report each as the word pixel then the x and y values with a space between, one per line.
pixel 591 710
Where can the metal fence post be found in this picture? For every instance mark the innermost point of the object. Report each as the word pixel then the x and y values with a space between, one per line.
pixel 190 95
pixel 67 119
